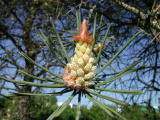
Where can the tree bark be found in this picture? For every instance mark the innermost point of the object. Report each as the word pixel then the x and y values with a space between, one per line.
pixel 31 50
pixel 24 107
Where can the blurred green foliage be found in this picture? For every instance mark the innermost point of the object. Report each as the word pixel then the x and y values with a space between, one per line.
pixel 137 112
pixel 42 107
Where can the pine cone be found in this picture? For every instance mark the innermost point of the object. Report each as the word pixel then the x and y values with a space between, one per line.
pixel 79 72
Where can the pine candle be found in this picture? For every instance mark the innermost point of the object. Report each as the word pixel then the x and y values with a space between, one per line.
pixel 80 71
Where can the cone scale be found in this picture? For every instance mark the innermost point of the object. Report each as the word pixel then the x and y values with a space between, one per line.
pixel 79 72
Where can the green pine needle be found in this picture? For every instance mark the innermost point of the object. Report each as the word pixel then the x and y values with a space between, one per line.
pixel 103 42
pixel 126 71
pixel 38 78
pixel 101 105
pixel 34 94
pixel 107 98
pixel 60 109
pixel 35 63
pixel 135 92
pixel 117 54
pixel 34 84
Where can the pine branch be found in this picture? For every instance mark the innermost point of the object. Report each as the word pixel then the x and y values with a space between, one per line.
pixel 136 11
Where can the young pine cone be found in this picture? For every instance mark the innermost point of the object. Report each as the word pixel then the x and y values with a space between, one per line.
pixel 79 72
